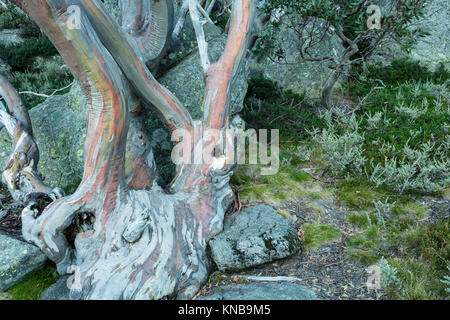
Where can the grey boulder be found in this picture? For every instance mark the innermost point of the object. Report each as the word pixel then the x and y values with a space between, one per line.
pixel 435 48
pixel 18 259
pixel 430 50
pixel 59 127
pixel 255 236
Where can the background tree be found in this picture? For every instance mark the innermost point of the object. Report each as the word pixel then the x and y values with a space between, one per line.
pixel 125 236
pixel 356 24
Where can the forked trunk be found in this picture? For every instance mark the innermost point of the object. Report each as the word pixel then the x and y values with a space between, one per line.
pixel 122 235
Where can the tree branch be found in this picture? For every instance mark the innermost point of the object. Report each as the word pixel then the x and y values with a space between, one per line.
pixel 43 95
pixel 221 74
pixel 181 19
pixel 127 55
pixel 7 121
pixel 195 10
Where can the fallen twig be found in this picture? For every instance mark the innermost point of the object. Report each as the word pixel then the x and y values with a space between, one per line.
pixel 46 95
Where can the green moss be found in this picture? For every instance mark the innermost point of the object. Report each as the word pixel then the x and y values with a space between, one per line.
pixel 430 242
pixel 365 256
pixel 318 234
pixel 361 241
pixel 424 260
pixel 359 220
pixel 359 194
pixel 289 183
pixel 33 288
pixel 364 247
pixel 419 251
pixel 372 232
pixel 298 175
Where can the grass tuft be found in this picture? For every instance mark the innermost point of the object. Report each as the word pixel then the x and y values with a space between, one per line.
pixel 318 234
pixel 33 288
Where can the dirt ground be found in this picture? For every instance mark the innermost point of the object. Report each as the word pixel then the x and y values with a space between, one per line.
pixel 326 270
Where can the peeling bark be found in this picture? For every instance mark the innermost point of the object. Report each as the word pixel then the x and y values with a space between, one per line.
pixel 141 241
pixel 150 22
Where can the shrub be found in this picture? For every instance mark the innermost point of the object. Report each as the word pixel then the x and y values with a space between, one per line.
pixel 405 125
pixel 267 106
pixel 389 275
pixel 416 170
pixel 341 143
pixel 446 281
pixel 44 76
pixel 20 56
pixel 406 70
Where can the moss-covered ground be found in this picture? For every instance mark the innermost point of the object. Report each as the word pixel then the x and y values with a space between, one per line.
pixel 404 223
pixel 34 286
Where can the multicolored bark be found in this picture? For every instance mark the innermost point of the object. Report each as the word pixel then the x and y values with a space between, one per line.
pixel 132 239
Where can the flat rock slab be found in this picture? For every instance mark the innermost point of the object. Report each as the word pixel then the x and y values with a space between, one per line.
pixel 255 236
pixel 58 291
pixel 17 260
pixel 268 291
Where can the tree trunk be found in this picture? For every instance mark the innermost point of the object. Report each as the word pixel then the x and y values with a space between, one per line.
pixel 329 84
pixel 123 235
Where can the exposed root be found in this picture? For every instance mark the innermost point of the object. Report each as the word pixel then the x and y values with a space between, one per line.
pixel 46 228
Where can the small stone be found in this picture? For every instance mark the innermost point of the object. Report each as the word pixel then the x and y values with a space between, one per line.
pixel 263 291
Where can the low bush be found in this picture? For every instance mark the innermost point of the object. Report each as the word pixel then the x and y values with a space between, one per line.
pixel 267 106
pixel 400 136
pixel 14 18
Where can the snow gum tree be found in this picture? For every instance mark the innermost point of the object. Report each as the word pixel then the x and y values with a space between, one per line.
pixel 126 236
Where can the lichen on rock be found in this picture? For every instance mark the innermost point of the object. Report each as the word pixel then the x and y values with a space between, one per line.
pixel 255 236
